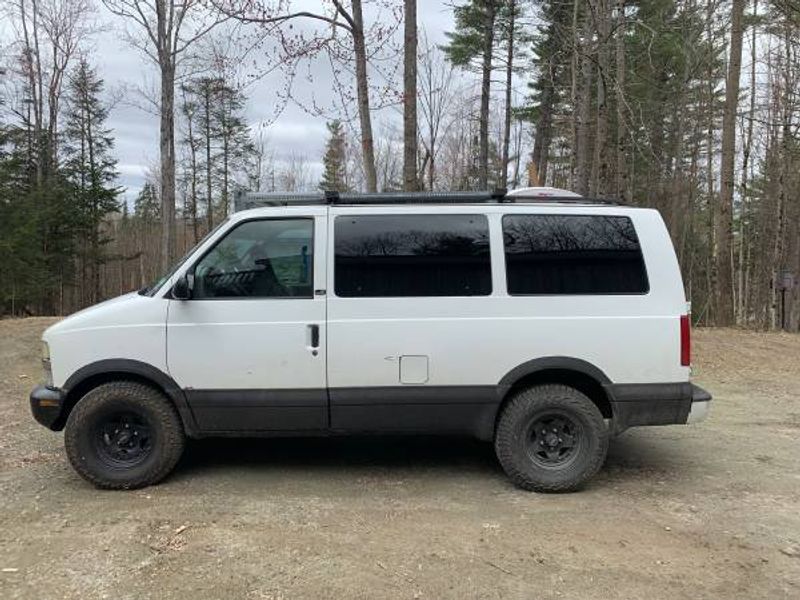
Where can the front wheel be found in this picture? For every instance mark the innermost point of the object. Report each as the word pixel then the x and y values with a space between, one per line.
pixel 551 438
pixel 123 435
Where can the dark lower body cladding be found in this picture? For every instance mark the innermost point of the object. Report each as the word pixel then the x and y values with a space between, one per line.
pixel 465 410
pixel 638 404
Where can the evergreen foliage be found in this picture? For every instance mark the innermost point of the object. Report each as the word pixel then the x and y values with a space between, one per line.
pixel 334 161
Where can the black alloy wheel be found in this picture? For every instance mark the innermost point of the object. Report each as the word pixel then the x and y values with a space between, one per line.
pixel 554 439
pixel 123 439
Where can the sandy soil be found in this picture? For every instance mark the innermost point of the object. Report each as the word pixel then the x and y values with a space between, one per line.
pixel 707 511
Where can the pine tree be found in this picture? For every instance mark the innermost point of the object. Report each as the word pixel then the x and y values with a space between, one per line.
pixel 90 168
pixel 21 264
pixel 334 178
pixel 146 206
pixel 218 142
pixel 473 41
pixel 236 148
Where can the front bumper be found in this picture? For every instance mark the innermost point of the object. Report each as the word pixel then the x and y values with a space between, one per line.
pixel 636 405
pixel 46 405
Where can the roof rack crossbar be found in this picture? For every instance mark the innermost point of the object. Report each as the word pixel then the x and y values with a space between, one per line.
pixel 246 200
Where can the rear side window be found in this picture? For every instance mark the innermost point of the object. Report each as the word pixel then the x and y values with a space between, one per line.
pixel 412 255
pixel 572 254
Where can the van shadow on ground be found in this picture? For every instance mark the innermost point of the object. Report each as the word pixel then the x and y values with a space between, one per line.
pixel 628 454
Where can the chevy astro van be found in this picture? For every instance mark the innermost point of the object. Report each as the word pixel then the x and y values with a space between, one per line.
pixel 538 320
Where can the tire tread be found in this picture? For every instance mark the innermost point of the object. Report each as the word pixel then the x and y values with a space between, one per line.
pixel 169 450
pixel 519 407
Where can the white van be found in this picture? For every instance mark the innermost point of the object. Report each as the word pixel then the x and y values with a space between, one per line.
pixel 537 319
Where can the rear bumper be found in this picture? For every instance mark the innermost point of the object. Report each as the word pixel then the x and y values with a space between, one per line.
pixel 46 406
pixel 636 404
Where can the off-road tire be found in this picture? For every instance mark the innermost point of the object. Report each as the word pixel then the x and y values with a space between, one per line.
pixel 129 397
pixel 512 438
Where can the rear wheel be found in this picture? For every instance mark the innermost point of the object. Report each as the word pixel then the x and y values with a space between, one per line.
pixel 551 438
pixel 124 435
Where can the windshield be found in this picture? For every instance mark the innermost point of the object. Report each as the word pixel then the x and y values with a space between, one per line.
pixel 150 290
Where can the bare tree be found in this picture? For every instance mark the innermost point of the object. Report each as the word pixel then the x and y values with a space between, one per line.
pixel 49 33
pixel 294 174
pixel 275 15
pixel 436 77
pixel 166 30
pixel 389 157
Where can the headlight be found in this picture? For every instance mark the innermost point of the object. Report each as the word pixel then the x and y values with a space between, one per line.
pixel 48 371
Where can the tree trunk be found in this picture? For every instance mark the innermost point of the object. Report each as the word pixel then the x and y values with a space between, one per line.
pixel 724 222
pixel 512 8
pixel 486 82
pixel 543 132
pixel 777 262
pixel 193 181
pixel 94 184
pixel 602 152
pixel 742 304
pixel 583 110
pixel 167 149
pixel 410 179
pixel 362 92
pixel 225 168
pixel 574 67
pixel 622 179
pixel 710 306
pixel 207 124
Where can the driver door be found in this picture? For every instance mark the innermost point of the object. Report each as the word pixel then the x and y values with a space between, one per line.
pixel 249 347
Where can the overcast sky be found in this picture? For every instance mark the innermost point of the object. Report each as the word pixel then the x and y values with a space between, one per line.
pixel 136 131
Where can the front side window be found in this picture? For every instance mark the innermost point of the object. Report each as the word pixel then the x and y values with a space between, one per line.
pixel 572 254
pixel 412 255
pixel 270 258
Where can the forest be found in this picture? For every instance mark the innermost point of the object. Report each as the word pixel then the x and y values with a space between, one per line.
pixel 691 107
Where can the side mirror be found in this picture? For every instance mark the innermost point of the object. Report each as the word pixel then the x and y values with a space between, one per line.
pixel 182 290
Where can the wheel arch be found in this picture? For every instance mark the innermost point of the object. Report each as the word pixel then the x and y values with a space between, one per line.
pixel 574 372
pixel 97 373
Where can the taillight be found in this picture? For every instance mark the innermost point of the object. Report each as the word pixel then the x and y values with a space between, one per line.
pixel 686 341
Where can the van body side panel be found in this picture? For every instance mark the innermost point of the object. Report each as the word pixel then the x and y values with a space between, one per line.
pixel 473 342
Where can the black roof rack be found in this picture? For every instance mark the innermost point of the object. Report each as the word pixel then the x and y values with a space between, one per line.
pixel 245 200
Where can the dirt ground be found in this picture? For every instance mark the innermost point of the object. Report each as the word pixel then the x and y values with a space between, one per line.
pixel 707 511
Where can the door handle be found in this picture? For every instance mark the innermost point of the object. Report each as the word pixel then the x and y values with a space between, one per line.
pixel 314 333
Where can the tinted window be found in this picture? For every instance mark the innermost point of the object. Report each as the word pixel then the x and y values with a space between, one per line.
pixel 412 255
pixel 259 259
pixel 572 254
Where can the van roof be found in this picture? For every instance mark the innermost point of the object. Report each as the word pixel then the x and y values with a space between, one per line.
pixel 531 195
